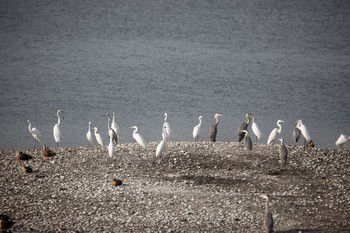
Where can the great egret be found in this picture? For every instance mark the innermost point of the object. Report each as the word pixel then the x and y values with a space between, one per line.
pixel 161 145
pixel 274 132
pixel 214 128
pixel 89 134
pixel 248 145
pixel 138 138
pixel 268 220
pixel 304 131
pixel 197 129
pixel 243 126
pixel 283 153
pixel 111 132
pixel 115 126
pixel 98 137
pixel 111 144
pixel 35 133
pixel 166 126
pixel 256 129
pixel 341 141
pixel 56 128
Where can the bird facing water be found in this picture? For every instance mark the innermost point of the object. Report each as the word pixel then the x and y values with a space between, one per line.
pixel 98 137
pixel 256 129
pixel 214 128
pixel 89 135
pixel 283 153
pixel 342 139
pixel 248 145
pixel 166 127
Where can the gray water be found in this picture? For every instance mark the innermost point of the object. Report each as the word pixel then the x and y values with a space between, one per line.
pixel 285 60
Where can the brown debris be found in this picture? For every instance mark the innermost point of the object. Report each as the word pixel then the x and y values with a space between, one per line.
pixel 47 153
pixel 116 182
pixel 25 169
pixel 20 156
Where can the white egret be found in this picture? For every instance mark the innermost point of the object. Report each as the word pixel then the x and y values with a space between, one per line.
pixel 111 132
pixel 341 141
pixel 35 133
pixel 138 138
pixel 243 126
pixel 111 144
pixel 268 220
pixel 115 126
pixel 166 126
pixel 214 127
pixel 283 152
pixel 274 132
pixel 161 145
pixel 56 128
pixel 89 134
pixel 248 145
pixel 98 137
pixel 197 129
pixel 304 131
pixel 256 129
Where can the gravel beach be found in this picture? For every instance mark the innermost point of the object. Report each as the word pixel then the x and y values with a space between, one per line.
pixel 192 187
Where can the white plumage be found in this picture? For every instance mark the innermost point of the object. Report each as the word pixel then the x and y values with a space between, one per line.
pixel 166 127
pixel 197 129
pixel 56 128
pixel 256 129
pixel 98 137
pixel 89 134
pixel 274 133
pixel 138 138
pixel 35 133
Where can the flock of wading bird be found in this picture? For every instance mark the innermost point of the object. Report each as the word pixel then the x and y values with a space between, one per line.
pixel 242 134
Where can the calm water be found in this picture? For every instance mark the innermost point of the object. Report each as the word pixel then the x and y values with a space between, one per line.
pixel 276 59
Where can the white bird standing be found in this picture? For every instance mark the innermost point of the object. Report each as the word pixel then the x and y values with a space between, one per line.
pixel 341 141
pixel 138 138
pixel 256 129
pixel 115 126
pixel 111 144
pixel 304 130
pixel 56 128
pixel 197 129
pixel 274 132
pixel 166 126
pixel 89 134
pixel 161 145
pixel 35 133
pixel 98 137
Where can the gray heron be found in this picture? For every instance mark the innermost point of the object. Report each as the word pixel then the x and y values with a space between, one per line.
pixel 214 128
pixel 115 126
pixel 111 133
pixel 268 220
pixel 35 133
pixel 197 129
pixel 283 153
pixel 274 132
pixel 243 126
pixel 248 145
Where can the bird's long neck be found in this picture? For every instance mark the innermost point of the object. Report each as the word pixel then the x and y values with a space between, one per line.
pixel 200 121
pixel 30 127
pixel 166 116
pixel 217 120
pixel 279 127
pixel 248 120
pixel 108 122
pixel 267 205
pixel 89 127
pixel 113 119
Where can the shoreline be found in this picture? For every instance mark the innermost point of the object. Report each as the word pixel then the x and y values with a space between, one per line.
pixel 193 187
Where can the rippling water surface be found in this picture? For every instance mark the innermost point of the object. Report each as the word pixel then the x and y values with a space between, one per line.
pixel 276 59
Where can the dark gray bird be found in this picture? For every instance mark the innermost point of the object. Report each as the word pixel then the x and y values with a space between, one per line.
pixel 283 153
pixel 214 128
pixel 296 134
pixel 268 220
pixel 111 132
pixel 248 145
pixel 243 126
